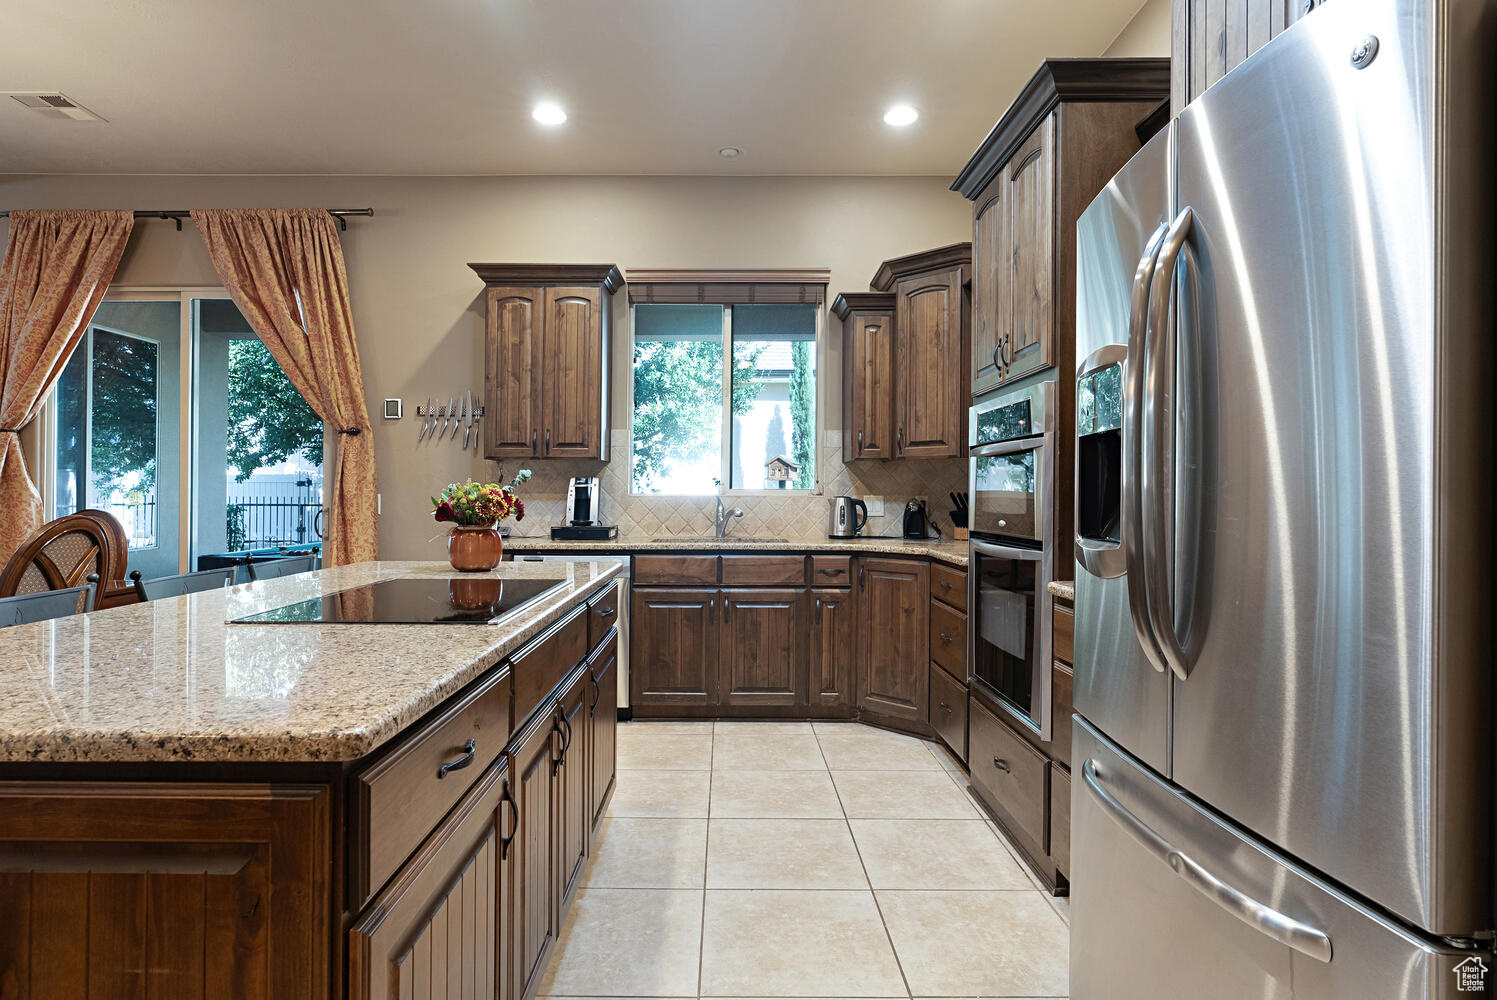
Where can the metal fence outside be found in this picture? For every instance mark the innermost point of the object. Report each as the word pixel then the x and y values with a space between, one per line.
pixel 263 523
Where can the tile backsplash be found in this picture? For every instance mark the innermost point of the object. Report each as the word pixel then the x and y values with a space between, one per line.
pixel 794 516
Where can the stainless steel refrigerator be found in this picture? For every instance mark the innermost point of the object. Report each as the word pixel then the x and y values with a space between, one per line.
pixel 1283 751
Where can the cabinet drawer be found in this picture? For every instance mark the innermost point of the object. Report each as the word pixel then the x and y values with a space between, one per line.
pixel 764 571
pixel 1063 633
pixel 1008 772
pixel 949 584
pixel 948 710
pixel 831 571
pixel 1063 683
pixel 948 638
pixel 1060 820
pixel 602 614
pixel 402 796
pixel 539 667
pixel 674 570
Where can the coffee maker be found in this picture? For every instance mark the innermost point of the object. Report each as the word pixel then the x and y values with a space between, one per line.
pixel 583 519
pixel 916 523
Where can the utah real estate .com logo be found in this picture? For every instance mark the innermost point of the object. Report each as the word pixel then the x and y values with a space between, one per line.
pixel 1471 975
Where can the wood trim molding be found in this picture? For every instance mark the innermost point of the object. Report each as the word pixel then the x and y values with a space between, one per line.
pixel 895 268
pixel 846 303
pixel 730 276
pixel 1059 81
pixel 606 275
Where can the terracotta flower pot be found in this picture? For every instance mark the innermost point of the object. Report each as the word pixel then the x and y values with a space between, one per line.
pixel 474 550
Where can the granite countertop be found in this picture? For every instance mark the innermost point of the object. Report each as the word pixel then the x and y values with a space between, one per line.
pixel 169 680
pixel 954 553
pixel 1063 589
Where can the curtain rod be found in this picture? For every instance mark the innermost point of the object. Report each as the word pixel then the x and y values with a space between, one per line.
pixel 178 214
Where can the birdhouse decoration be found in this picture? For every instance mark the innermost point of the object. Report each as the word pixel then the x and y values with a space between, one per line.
pixel 778 472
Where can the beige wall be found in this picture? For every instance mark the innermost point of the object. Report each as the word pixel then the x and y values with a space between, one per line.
pixel 418 309
pixel 1148 34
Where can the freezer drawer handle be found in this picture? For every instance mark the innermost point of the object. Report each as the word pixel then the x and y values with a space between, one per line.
pixel 1284 929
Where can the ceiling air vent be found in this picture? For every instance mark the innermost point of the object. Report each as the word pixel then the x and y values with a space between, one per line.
pixel 55 105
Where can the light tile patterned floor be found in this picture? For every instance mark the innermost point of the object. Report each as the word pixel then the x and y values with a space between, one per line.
pixel 811 860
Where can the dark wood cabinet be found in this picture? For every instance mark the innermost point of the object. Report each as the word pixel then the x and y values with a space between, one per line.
pixel 1060 820
pixel 673 656
pixel 1029 344
pixel 932 317
pixel 533 851
pixel 546 359
pixel 833 642
pixel 992 259
pixel 893 641
pixel 602 740
pixel 573 797
pixel 439 927
pixel 948 710
pixel 763 647
pixel 1209 39
pixel 217 890
pixel 867 373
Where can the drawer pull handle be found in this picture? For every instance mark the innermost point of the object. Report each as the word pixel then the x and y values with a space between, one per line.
pixel 504 841
pixel 470 748
pixel 563 727
pixel 606 612
pixel 945 637
pixel 945 584
pixel 597 691
pixel 832 572
pixel 1002 765
pixel 945 708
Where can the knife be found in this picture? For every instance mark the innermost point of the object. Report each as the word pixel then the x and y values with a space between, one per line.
pixel 446 419
pixel 457 422
pixel 426 423
pixel 468 412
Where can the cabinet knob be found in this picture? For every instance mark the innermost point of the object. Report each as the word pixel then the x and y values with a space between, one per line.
pixel 945 708
pixel 945 637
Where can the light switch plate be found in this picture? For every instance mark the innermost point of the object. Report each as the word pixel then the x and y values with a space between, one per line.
pixel 392 409
pixel 875 506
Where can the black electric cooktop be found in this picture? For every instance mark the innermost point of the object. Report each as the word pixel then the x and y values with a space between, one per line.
pixel 435 601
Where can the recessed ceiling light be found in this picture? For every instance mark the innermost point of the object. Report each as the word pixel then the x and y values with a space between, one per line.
pixel 549 113
pixel 728 152
pixel 900 115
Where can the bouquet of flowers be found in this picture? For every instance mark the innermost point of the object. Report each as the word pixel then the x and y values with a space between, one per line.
pixel 480 505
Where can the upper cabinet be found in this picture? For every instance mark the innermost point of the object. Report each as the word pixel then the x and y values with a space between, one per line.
pixel 867 373
pixel 932 321
pixel 1209 39
pixel 546 359
pixel 1071 128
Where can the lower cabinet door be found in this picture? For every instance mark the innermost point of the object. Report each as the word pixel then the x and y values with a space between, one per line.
pixel 833 648
pixel 535 901
pixel 673 655
pixel 762 652
pixel 893 637
pixel 574 806
pixel 602 739
pixel 948 710
pixel 438 927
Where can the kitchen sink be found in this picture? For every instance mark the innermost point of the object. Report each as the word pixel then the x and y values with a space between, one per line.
pixel 713 538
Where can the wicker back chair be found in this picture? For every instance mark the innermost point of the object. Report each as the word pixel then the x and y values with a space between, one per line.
pixel 63 553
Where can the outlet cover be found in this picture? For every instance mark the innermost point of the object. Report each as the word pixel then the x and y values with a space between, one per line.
pixel 875 506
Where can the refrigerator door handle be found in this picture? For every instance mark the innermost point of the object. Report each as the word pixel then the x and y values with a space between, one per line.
pixel 1133 402
pixel 1303 938
pixel 1159 600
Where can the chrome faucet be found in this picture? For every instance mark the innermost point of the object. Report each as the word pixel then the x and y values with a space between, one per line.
pixel 724 515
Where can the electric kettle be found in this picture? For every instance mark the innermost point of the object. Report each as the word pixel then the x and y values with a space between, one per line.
pixel 844 521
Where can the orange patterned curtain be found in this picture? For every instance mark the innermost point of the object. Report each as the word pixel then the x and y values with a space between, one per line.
pixel 284 269
pixel 57 267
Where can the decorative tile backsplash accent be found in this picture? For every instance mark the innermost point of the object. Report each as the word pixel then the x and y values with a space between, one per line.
pixel 794 516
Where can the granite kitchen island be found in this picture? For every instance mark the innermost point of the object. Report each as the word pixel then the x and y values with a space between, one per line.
pixel 191 807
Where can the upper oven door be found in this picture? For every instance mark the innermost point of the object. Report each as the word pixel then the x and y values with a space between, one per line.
pixel 1008 496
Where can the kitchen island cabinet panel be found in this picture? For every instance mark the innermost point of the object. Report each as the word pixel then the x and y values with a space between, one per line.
pixel 237 874
pixel 602 740
pixel 574 809
pixel 534 852
pixel 438 928
pixel 763 647
pixel 893 637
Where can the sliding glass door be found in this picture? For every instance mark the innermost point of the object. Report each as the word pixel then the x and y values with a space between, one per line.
pixel 172 416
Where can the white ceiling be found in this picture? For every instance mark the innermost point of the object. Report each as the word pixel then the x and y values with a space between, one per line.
pixel 446 86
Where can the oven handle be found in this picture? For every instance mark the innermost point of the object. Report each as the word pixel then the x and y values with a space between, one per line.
pixel 1006 551
pixel 1034 443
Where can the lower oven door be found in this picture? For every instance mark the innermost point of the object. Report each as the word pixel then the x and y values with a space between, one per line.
pixel 1009 622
